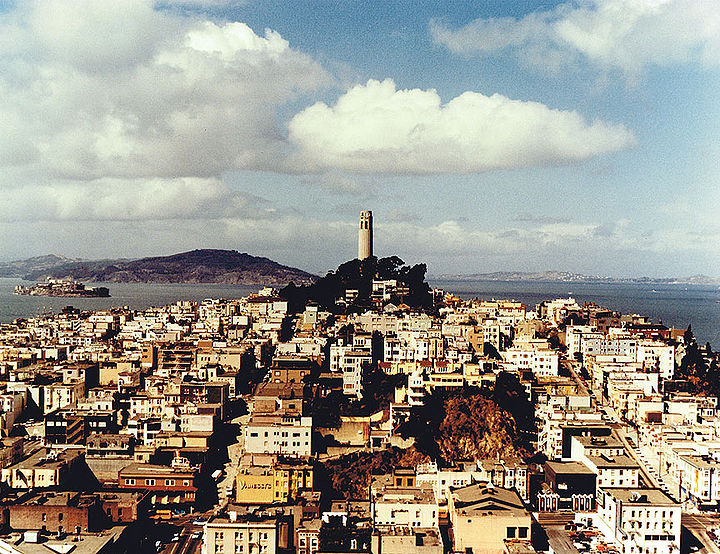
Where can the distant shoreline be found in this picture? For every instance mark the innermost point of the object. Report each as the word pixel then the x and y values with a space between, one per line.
pixel 527 278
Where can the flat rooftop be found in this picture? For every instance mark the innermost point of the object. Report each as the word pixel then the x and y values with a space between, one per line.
pixel 622 461
pixel 651 497
pixel 569 468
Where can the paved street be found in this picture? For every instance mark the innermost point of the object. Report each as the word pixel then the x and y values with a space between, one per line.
pixel 190 530
pixel 699 525
pixel 559 540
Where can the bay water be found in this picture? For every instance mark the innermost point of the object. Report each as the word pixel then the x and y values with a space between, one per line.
pixel 672 304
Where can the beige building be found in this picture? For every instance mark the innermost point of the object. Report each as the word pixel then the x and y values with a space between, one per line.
pixel 406 540
pixel 240 533
pixel 484 517
pixel 398 500
pixel 45 468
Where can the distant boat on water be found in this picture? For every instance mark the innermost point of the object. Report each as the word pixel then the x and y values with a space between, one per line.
pixel 67 287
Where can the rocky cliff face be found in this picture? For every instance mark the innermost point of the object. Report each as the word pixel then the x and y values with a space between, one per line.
pixel 475 428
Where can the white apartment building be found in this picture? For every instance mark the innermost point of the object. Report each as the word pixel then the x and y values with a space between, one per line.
pixel 415 322
pixel 351 361
pixel 648 353
pixel 583 446
pixel 286 435
pixel 230 535
pixel 535 355
pixel 613 471
pixel 556 310
pixel 441 480
pixel 302 346
pixel 414 346
pixel 407 506
pixel 691 409
pixel 574 335
pixel 62 395
pixel 337 351
pixel 508 473
pixel 550 435
pixel 698 476
pixel 492 331
pixel 653 354
pixel 353 364
pixel 416 389
pixel 372 321
pixel 642 521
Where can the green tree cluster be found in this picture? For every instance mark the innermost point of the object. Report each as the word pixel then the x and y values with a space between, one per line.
pixel 702 377
pixel 359 275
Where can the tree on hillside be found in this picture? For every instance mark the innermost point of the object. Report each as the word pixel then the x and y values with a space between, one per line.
pixel 349 476
pixel 359 275
pixel 510 394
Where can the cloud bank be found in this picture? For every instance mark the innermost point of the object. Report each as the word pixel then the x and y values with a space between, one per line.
pixel 118 89
pixel 377 128
pixel 624 35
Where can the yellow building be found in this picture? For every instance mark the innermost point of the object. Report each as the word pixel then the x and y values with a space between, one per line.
pixel 255 487
pixel 280 483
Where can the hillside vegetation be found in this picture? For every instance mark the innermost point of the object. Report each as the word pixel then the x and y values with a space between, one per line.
pixel 359 275
pixel 196 266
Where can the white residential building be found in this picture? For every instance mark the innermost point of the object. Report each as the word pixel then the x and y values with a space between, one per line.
pixel 287 435
pixel 535 355
pixel 643 521
pixel 400 501
pixel 231 534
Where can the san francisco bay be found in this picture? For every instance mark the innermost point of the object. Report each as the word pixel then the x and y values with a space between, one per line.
pixel 674 305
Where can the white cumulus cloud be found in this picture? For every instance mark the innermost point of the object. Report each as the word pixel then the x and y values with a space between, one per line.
pixel 377 128
pixel 119 89
pixel 626 35
pixel 126 200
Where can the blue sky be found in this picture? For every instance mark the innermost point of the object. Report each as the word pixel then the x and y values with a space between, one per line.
pixel 485 136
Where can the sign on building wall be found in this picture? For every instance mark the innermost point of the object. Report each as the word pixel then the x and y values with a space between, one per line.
pixel 255 489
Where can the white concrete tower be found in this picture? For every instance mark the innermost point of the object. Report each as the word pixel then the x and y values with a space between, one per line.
pixel 365 235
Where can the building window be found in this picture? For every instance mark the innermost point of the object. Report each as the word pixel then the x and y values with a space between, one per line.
pixel 150 482
pixel 522 532
pixel 170 482
pixel 510 533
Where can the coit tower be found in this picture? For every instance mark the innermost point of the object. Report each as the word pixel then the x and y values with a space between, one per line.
pixel 365 235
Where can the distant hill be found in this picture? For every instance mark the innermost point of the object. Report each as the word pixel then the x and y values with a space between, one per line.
pixel 20 268
pixel 568 277
pixel 197 266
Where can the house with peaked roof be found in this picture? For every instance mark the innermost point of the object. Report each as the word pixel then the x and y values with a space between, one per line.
pixel 484 516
